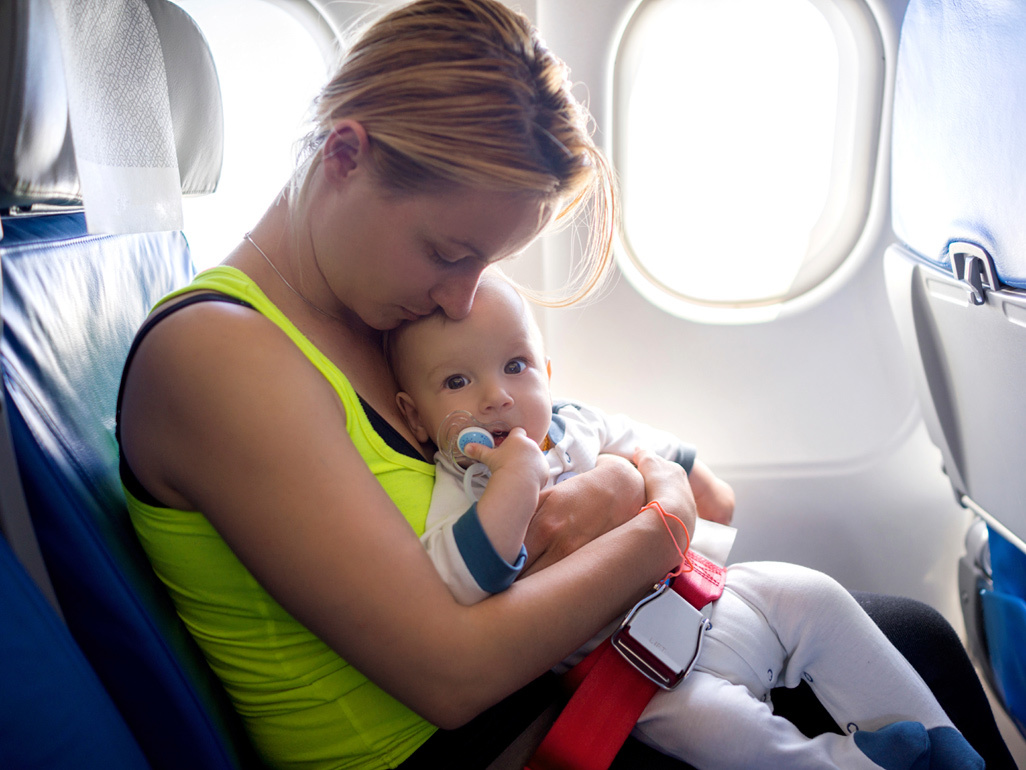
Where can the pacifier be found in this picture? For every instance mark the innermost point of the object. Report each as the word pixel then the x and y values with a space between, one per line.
pixel 459 429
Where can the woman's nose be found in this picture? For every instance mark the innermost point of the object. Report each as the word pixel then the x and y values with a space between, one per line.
pixel 456 294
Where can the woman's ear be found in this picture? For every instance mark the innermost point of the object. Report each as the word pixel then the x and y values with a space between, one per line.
pixel 409 412
pixel 344 149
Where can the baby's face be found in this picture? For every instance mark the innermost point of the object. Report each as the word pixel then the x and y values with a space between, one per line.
pixel 490 364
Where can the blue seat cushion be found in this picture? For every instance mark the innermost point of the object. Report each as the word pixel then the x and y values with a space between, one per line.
pixel 1004 618
pixel 54 713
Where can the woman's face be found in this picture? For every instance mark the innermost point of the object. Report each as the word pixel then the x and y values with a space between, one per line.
pixel 391 259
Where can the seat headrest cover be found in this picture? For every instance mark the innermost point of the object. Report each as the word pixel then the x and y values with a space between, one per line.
pixel 959 138
pixel 120 116
pixel 37 151
pixel 37 159
pixel 197 116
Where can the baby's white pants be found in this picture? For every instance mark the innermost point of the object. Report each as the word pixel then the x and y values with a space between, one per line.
pixel 775 625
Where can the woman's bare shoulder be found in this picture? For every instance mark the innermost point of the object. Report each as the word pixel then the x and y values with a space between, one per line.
pixel 210 379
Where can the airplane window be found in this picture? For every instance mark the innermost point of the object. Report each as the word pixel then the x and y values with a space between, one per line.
pixel 270 68
pixel 745 134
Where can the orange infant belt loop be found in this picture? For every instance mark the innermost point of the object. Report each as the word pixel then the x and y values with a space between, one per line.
pixel 610 693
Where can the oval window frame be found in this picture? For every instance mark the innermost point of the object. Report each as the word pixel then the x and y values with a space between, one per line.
pixel 862 73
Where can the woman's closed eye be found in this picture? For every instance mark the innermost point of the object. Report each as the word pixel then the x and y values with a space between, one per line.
pixel 447 259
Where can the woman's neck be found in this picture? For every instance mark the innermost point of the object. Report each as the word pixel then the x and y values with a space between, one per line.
pixel 349 343
pixel 278 255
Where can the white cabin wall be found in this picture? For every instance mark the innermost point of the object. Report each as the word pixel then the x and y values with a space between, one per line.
pixel 811 417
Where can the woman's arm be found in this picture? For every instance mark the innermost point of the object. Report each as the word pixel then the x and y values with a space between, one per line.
pixel 239 425
pixel 582 508
pixel 621 435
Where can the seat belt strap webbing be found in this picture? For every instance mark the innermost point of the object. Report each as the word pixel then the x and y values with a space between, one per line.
pixel 704 583
pixel 610 693
pixel 599 716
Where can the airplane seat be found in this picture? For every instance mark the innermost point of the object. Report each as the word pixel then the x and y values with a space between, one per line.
pixel 54 712
pixel 956 280
pixel 78 280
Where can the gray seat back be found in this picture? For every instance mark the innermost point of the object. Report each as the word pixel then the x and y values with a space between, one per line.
pixel 957 285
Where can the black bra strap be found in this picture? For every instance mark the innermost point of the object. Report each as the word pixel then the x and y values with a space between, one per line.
pixel 208 296
pixel 128 477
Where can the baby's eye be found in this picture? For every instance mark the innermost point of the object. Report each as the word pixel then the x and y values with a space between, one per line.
pixel 456 382
pixel 516 366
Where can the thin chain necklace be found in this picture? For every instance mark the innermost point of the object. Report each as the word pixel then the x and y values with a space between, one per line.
pixel 291 288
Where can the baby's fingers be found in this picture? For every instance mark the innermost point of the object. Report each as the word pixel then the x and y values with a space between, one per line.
pixel 513 442
pixel 478 452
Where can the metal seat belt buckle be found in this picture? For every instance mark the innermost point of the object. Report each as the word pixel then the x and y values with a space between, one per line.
pixel 662 637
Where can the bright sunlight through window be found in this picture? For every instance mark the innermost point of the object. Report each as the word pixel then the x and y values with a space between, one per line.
pixel 734 141
pixel 269 68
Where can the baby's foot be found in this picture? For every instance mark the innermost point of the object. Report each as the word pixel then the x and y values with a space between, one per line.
pixel 910 746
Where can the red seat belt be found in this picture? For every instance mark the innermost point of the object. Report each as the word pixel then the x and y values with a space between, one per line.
pixel 610 694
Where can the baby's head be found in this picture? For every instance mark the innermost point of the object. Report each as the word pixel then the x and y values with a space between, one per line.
pixel 491 364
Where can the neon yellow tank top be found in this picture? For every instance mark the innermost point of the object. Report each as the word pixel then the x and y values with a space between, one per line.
pixel 302 705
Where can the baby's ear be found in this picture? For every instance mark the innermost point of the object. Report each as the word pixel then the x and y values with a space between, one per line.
pixel 409 412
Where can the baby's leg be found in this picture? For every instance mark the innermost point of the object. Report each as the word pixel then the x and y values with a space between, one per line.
pixel 858 675
pixel 775 625
pixel 716 725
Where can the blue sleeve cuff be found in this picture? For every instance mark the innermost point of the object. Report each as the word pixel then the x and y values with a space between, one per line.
pixel 492 573
pixel 686 457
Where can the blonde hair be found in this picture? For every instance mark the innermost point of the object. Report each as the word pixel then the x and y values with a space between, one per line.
pixel 465 93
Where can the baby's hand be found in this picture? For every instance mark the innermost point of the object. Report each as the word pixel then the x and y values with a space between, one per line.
pixel 517 460
pixel 713 496
pixel 519 471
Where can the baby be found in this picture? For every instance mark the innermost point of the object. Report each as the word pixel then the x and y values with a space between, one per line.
pixel 774 625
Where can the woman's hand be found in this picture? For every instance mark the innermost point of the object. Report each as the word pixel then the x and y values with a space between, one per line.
pixel 667 483
pixel 582 508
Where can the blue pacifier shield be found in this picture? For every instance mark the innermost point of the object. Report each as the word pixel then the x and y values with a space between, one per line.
pixel 459 428
pixel 474 435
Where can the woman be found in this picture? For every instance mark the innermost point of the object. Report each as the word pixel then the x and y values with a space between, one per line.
pixel 270 478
